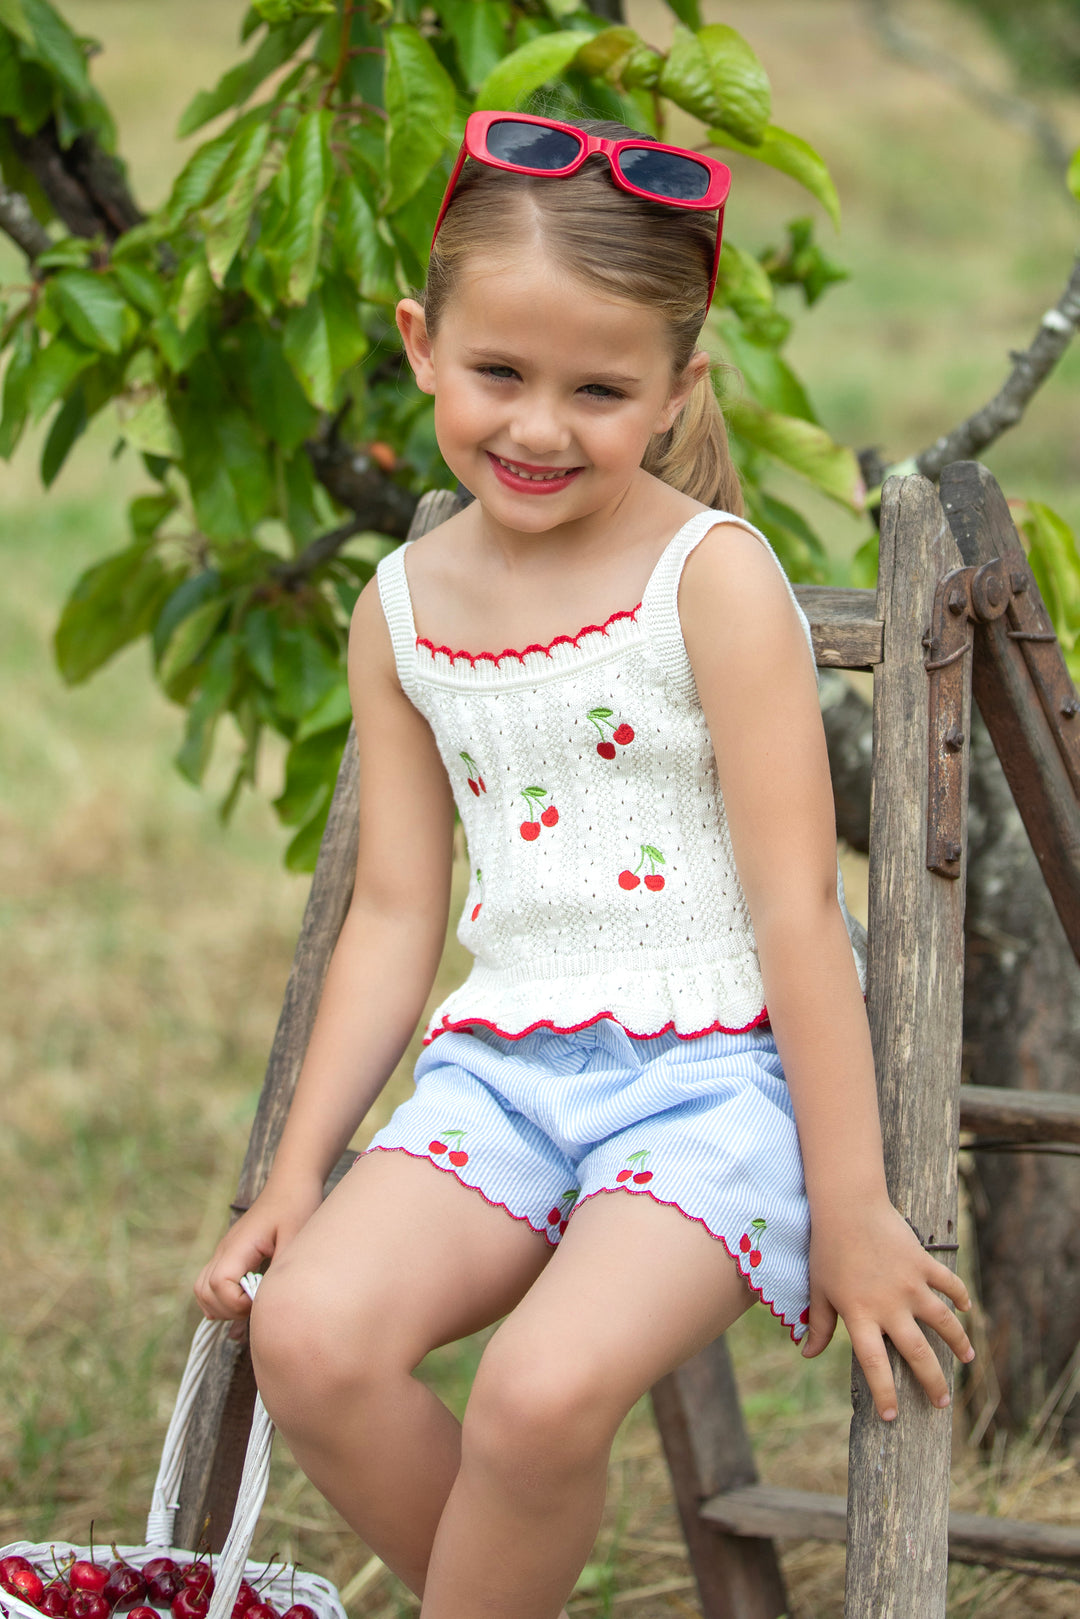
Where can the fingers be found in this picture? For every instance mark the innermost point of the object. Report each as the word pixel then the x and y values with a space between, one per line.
pixel 906 1336
pixel 823 1320
pixel 219 1294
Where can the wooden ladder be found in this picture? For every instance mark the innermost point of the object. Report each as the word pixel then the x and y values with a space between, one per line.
pixel 956 610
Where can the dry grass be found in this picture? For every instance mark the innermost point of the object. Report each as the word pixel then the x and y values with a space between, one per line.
pixel 143 951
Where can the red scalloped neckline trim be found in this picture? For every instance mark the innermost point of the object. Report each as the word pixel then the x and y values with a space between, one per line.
pixel 458 1025
pixel 509 652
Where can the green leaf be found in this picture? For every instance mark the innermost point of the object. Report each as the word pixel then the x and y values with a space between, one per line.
pixel 303 850
pixel 307 348
pixel 348 340
pixel 527 68
pixel 304 670
pixel 147 512
pixel 768 376
pixel 113 603
pixel 420 101
pixel 310 772
pixel 197 178
pixel 801 553
pixel 191 293
pixel 92 307
pixel 307 175
pixel 146 425
pixel 190 639
pixel 743 284
pixel 329 713
pixel 14 17
pixel 141 287
pixel 69 251
pixel 1055 562
pixel 20 367
pixel 715 75
pixel 57 47
pixel 479 30
pixel 225 462
pixel 362 250
pixel 803 446
pixel 272 393
pixel 183 599
pixel 241 82
pixel 1072 178
pixel 69 422
pixel 687 11
pixel 603 55
pixel 53 373
pixel 791 155
pixel 215 691
pixel 225 221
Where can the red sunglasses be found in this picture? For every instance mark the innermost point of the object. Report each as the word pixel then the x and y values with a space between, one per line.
pixel 522 144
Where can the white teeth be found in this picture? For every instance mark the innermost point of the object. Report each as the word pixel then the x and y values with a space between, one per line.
pixel 533 477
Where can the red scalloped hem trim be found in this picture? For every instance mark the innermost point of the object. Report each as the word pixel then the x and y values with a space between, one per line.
pixel 448 1027
pixel 669 1203
pixel 509 652
pixel 448 1169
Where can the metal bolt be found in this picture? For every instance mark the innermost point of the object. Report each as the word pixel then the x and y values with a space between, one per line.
pixel 929 641
pixel 992 589
pixel 953 851
pixel 1069 707
pixel 954 739
pixel 957 601
pixel 1019 582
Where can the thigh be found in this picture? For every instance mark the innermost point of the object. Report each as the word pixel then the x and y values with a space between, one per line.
pixel 401 1246
pixel 635 1288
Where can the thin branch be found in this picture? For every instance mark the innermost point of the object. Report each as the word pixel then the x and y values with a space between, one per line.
pixel 1030 369
pixel 291 574
pixel 357 481
pixel 85 184
pixel 18 220
pixel 909 47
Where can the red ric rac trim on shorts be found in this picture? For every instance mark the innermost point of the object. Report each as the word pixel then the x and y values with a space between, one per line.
pixel 497 657
pixel 453 1027
pixel 669 1203
pixel 448 1169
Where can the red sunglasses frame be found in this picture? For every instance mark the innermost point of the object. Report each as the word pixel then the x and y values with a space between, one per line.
pixel 475 146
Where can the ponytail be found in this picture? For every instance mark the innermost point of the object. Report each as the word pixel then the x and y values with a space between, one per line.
pixel 693 455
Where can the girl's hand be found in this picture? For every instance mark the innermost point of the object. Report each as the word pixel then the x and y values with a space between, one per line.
pixel 268 1226
pixel 883 1283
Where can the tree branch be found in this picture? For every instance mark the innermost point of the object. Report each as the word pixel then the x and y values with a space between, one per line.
pixel 1030 369
pixel 85 184
pixel 292 574
pixel 17 219
pixel 1011 109
pixel 357 482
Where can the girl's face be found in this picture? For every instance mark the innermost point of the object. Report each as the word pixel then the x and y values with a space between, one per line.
pixel 546 394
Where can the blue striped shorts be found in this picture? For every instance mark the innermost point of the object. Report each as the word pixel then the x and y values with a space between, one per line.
pixel 540 1124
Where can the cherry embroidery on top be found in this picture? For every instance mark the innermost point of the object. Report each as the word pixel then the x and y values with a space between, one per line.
pixel 751 1245
pixel 476 780
pixel 654 879
pixel 562 1210
pixel 534 796
pixel 623 734
pixel 635 1170
pixel 480 901
pixel 457 1156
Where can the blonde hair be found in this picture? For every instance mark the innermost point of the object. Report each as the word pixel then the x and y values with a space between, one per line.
pixel 625 247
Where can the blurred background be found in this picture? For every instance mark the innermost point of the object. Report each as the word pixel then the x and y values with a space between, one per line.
pixel 144 948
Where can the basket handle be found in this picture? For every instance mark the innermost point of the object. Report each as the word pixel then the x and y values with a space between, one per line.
pixel 164 1504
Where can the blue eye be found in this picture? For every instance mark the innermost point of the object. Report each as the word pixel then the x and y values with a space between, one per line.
pixel 598 390
pixel 498 373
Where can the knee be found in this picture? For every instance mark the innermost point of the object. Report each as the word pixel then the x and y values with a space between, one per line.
pixel 535 1418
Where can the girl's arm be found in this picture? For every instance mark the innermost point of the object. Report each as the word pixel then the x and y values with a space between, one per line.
pixel 758 691
pixel 383 964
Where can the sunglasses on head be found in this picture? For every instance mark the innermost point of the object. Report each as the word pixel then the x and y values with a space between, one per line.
pixel 523 144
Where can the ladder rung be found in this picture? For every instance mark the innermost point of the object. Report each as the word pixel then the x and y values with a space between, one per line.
pixel 765 1511
pixel 1020 1115
pixel 844 624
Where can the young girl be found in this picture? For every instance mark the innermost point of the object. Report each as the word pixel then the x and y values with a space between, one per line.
pixel 666 1004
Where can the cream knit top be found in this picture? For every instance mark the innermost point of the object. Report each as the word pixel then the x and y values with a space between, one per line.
pixel 603 883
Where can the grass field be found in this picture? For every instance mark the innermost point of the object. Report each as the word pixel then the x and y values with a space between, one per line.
pixel 144 949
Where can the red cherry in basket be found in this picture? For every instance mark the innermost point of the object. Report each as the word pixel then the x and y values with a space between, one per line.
pixel 624 1175
pixel 86 1576
pixel 12 1565
pixel 190 1603
pixel 145 1613
pixel 262 1610
pixel 623 735
pixel 299 1610
pixel 199 1577
pixel 88 1605
pixel 550 816
pixel 606 750
pixel 530 831
pixel 643 1177
pixel 654 881
pixel 158 1565
pixel 124 1588
pixel 163 1587
pixel 247 1594
pixel 628 879
pixel 55 1600
pixel 26 1583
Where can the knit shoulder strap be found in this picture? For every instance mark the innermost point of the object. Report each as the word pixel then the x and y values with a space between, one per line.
pixel 659 615
pixel 397 610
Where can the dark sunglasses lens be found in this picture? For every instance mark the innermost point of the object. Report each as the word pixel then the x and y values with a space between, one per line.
pixel 665 174
pixel 531 146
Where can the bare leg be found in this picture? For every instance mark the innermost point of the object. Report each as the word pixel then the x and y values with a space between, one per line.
pixel 400 1258
pixel 634 1290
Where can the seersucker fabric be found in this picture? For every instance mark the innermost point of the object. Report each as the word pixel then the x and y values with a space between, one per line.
pixel 602 878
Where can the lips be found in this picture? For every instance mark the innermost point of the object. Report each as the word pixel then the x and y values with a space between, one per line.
pixel 526 479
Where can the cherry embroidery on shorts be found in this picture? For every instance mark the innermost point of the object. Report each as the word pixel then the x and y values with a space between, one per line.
pixel 476 908
pixel 805 1317
pixel 751 1245
pixel 562 1210
pixel 456 1156
pixel 476 780
pixel 623 734
pixel 636 1171
pixel 653 879
pixel 534 797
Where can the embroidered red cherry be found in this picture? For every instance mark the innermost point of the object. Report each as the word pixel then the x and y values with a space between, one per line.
pixel 475 787
pixel 550 816
pixel 643 1177
pixel 744 1242
pixel 624 1174
pixel 476 780
pixel 755 1256
pixel 554 1217
pixel 533 796
pixel 623 735
pixel 654 881
pixel 475 912
pixel 562 1227
pixel 804 1317
pixel 457 1158
pixel 530 831
pixel 480 901
pixel 606 750
pixel 436 1146
pixel 628 879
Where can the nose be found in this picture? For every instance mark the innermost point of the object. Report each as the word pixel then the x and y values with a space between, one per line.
pixel 536 425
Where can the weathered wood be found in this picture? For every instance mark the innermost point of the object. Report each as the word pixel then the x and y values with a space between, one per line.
pixel 708 1451
pixel 222 1418
pixel 899 1472
pixel 1003 689
pixel 765 1509
pixel 1020 1115
pixel 844 624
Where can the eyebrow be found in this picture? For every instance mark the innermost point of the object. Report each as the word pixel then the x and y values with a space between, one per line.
pixel 610 379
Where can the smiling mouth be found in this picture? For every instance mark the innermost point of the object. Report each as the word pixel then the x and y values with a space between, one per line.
pixel 534 474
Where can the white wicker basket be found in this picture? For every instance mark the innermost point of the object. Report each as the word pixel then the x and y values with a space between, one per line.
pixel 278 1583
